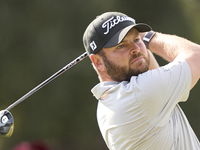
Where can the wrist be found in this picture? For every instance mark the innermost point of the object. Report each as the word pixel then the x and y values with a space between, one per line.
pixel 148 36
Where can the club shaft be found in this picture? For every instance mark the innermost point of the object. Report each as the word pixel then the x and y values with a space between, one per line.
pixel 68 66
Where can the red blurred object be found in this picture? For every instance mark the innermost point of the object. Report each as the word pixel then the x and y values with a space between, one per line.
pixel 33 145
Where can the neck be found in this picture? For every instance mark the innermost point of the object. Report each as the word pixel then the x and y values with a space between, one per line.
pixel 104 77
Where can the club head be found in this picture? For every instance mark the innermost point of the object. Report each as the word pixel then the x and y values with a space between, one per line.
pixel 6 123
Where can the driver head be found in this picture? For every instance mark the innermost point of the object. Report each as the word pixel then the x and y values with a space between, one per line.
pixel 6 123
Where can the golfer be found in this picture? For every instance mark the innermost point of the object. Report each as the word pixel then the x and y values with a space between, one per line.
pixel 138 100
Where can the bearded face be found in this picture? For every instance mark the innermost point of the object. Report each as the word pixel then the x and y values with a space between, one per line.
pixel 123 73
pixel 129 58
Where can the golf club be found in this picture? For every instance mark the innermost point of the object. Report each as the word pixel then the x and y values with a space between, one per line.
pixel 6 118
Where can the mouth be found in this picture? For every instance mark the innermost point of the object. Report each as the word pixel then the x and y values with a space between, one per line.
pixel 137 59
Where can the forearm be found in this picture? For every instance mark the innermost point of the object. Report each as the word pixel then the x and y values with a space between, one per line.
pixel 167 46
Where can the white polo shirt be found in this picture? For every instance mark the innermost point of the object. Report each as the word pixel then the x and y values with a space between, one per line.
pixel 144 113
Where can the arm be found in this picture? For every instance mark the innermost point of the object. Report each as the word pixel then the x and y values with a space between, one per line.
pixel 153 63
pixel 170 46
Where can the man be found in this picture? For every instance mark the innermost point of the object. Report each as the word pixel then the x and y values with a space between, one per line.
pixel 138 100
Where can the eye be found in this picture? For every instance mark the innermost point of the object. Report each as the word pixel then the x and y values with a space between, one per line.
pixel 120 46
pixel 136 40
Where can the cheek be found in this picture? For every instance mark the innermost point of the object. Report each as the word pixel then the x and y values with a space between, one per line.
pixel 143 49
pixel 117 58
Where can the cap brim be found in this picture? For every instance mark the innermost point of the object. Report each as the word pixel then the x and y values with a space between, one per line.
pixel 120 35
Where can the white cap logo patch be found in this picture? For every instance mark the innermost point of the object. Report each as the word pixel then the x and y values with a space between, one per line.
pixel 93 45
pixel 113 21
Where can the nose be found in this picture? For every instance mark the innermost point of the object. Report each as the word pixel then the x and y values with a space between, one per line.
pixel 134 48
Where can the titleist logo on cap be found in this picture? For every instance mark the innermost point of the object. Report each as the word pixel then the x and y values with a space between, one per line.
pixel 112 22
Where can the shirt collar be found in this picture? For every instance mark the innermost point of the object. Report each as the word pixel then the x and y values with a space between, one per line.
pixel 100 88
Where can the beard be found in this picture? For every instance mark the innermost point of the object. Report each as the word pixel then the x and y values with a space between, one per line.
pixel 122 73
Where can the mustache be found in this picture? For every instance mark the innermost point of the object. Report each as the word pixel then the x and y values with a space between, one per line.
pixel 139 54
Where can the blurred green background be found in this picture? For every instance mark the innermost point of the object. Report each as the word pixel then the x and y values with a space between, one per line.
pixel 39 37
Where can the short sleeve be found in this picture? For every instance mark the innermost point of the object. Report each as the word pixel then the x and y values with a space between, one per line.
pixel 163 88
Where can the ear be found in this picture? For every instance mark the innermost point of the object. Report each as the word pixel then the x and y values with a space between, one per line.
pixel 97 61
